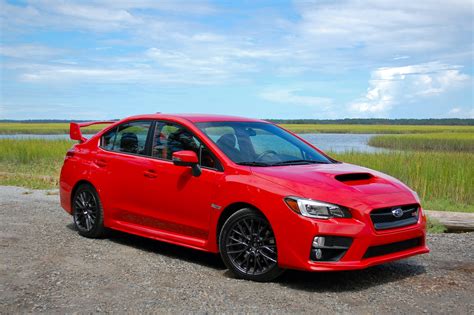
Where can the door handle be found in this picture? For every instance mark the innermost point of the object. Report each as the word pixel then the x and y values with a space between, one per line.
pixel 150 174
pixel 101 162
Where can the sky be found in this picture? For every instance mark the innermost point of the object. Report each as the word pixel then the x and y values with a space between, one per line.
pixel 264 59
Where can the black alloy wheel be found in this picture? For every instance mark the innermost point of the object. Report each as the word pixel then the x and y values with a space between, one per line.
pixel 87 212
pixel 248 246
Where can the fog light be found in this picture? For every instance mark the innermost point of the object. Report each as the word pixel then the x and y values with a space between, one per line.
pixel 318 254
pixel 329 248
pixel 318 241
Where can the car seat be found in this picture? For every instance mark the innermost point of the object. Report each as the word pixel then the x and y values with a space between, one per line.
pixel 227 144
pixel 129 142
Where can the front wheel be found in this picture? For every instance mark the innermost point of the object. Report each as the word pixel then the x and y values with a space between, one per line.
pixel 87 213
pixel 248 246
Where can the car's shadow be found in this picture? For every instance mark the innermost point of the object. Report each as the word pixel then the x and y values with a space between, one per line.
pixel 355 280
pixel 339 281
pixel 162 248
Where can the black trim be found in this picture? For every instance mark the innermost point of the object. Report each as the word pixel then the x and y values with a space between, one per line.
pixel 391 248
pixel 149 137
pixel 353 177
pixel 395 224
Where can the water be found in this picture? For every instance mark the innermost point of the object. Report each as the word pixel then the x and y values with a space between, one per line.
pixel 342 142
pixel 335 142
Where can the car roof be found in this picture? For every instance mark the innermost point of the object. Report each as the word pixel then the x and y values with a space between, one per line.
pixel 195 118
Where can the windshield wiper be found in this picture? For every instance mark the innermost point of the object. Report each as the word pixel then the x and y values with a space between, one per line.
pixel 254 163
pixel 289 162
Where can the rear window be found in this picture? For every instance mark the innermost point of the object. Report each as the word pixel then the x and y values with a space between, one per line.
pixel 127 138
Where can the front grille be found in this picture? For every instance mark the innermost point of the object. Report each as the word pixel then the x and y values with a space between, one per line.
pixel 385 219
pixel 381 250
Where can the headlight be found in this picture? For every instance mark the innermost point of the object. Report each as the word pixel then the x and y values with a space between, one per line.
pixel 316 209
pixel 416 196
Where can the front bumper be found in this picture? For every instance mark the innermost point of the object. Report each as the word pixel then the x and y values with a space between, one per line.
pixel 296 254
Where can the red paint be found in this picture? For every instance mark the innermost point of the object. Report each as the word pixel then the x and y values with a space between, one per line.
pixel 157 199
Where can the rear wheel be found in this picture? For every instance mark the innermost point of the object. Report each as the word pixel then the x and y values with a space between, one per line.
pixel 88 214
pixel 248 246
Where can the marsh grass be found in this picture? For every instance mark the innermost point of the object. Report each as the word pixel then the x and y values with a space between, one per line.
pixel 43 128
pixel 434 226
pixel 63 128
pixel 462 142
pixel 374 129
pixel 32 163
pixel 444 180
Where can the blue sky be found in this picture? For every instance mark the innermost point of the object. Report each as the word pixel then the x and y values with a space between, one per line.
pixel 267 59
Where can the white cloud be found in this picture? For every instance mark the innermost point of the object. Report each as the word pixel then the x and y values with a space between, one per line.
pixel 291 96
pixel 461 112
pixel 206 37
pixel 130 73
pixel 363 32
pixel 455 110
pixel 390 86
pixel 49 74
pixel 187 42
pixel 29 51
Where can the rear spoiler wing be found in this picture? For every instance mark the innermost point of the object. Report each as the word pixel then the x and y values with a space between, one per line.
pixel 75 129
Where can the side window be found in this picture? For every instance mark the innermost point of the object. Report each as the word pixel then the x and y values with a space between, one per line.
pixel 107 140
pixel 128 138
pixel 170 138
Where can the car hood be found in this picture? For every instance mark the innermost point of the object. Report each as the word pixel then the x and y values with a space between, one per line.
pixel 339 183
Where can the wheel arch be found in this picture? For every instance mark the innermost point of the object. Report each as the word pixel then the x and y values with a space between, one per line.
pixel 230 210
pixel 78 184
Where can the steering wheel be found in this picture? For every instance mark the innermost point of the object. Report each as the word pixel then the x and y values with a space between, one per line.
pixel 265 153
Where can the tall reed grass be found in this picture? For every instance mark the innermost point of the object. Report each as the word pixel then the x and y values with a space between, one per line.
pixel 43 128
pixel 32 163
pixel 374 129
pixel 444 180
pixel 63 128
pixel 462 142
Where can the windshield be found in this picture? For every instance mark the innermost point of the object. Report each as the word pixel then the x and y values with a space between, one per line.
pixel 260 144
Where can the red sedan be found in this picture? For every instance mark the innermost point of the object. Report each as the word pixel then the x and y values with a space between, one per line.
pixel 262 197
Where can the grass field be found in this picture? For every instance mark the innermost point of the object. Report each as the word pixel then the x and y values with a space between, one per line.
pixel 461 142
pixel 63 128
pixel 43 128
pixel 32 163
pixel 444 180
pixel 374 129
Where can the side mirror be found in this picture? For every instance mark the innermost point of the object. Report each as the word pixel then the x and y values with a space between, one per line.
pixel 187 158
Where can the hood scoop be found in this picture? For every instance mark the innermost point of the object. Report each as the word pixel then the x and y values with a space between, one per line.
pixel 354 177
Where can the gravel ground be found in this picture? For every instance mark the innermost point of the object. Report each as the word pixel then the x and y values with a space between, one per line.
pixel 45 266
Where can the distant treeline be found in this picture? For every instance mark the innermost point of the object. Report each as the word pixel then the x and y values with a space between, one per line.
pixel 378 121
pixel 346 121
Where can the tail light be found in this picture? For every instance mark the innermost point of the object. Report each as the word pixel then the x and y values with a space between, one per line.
pixel 69 154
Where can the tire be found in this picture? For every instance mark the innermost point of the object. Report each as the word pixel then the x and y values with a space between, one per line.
pixel 88 214
pixel 248 246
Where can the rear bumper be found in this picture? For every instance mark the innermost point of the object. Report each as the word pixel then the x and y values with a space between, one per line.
pixel 65 188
